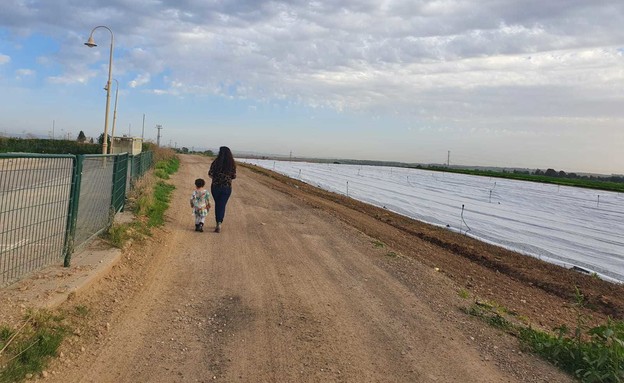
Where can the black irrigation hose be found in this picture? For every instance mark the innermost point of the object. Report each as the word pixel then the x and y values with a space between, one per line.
pixel 464 222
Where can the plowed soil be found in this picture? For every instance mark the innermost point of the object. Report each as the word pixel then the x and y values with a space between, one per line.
pixel 308 286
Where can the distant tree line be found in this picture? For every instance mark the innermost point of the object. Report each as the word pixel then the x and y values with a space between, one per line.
pixel 185 150
pixel 45 146
pixel 82 145
pixel 562 174
pixel 612 183
pixel 527 174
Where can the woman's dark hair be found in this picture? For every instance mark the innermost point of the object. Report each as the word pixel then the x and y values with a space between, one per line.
pixel 225 161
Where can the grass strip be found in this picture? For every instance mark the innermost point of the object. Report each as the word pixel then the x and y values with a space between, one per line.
pixel 162 196
pixel 27 350
pixel 149 199
pixel 166 167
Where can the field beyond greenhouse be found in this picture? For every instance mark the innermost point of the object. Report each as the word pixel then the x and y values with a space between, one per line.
pixel 568 226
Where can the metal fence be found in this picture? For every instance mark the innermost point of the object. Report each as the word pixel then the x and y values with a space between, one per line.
pixel 95 196
pixel 140 164
pixel 53 204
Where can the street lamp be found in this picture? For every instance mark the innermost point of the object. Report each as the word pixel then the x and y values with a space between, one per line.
pixel 91 43
pixel 114 117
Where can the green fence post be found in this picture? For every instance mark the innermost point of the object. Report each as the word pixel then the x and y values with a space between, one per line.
pixel 72 215
pixel 123 181
pixel 130 178
pixel 114 182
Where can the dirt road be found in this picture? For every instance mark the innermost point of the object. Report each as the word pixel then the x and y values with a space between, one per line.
pixel 285 293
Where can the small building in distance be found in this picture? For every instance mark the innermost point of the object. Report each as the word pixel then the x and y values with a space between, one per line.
pixel 125 144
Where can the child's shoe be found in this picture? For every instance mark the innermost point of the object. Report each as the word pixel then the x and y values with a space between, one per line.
pixel 196 227
pixel 200 227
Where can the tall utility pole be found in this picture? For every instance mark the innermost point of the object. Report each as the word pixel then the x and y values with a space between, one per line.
pixel 53 121
pixel 143 128
pixel 448 159
pixel 159 127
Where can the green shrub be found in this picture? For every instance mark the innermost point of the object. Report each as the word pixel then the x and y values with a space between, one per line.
pixel 599 358
pixel 117 235
pixel 21 145
pixel 591 354
pixel 161 173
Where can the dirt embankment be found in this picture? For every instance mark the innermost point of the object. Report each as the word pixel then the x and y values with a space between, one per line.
pixel 543 292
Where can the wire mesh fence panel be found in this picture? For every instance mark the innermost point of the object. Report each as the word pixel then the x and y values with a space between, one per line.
pixel 52 204
pixel 140 164
pixel 145 162
pixel 34 206
pixel 94 206
pixel 120 172
pixel 136 167
pixel 148 162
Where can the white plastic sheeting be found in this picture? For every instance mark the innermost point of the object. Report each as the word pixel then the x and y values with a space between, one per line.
pixel 567 226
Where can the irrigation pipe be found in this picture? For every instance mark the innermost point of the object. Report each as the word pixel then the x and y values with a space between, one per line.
pixel 463 222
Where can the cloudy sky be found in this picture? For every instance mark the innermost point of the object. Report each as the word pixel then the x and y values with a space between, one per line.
pixel 522 83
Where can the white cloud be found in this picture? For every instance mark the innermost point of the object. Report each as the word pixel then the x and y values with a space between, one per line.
pixel 311 52
pixel 24 73
pixel 4 59
pixel 454 63
pixel 71 78
pixel 160 92
pixel 141 79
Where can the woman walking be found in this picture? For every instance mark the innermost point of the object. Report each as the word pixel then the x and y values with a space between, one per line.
pixel 222 171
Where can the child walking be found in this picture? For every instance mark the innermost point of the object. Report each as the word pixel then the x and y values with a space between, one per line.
pixel 200 202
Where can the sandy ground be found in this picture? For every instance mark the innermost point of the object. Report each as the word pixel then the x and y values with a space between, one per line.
pixel 292 290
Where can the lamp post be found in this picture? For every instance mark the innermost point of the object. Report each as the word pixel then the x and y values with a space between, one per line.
pixel 91 43
pixel 114 117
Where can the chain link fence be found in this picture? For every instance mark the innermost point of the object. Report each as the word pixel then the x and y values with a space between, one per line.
pixel 53 204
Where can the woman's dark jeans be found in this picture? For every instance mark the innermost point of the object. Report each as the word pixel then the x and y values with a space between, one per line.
pixel 220 194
